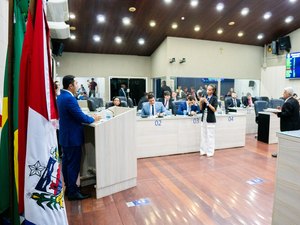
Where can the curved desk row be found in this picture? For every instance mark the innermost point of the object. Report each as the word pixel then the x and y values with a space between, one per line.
pixel 182 134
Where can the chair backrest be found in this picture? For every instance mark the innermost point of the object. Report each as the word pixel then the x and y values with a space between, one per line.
pixel 109 104
pixel 226 102
pixel 124 103
pixel 263 98
pixel 274 103
pixel 122 98
pixel 91 105
pixel 259 106
pixel 130 103
pixel 98 102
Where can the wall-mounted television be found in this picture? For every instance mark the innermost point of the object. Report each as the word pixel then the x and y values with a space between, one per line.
pixel 292 66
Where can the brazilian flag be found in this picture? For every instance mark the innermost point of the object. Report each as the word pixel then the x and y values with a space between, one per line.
pixel 20 13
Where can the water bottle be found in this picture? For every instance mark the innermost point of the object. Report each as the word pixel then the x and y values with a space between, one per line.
pixel 223 109
pixel 107 115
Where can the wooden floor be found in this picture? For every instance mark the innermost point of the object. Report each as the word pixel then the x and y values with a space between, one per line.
pixel 191 189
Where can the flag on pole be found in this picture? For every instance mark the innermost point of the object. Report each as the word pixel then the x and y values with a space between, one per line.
pixel 43 193
pixel 18 36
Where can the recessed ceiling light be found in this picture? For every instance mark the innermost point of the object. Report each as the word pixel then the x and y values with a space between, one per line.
pixel 72 16
pixel 267 15
pixel 220 6
pixel 152 23
pixel 132 9
pixel 231 23
pixel 101 18
pixel 118 40
pixel 126 21
pixel 245 11
pixel 220 31
pixel 289 19
pixel 197 28
pixel 141 41
pixel 72 36
pixel 182 18
pixel 97 38
pixel 194 3
pixel 174 26
pixel 240 34
pixel 260 36
pixel 168 1
pixel 293 1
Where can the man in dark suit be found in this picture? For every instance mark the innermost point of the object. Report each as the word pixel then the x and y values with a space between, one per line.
pixel 248 101
pixel 152 108
pixel 122 91
pixel 71 118
pixel 189 106
pixel 233 101
pixel 289 115
pixel 168 103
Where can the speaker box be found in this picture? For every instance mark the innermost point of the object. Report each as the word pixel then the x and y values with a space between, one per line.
pixel 274 47
pixel 284 43
pixel 57 48
pixel 251 83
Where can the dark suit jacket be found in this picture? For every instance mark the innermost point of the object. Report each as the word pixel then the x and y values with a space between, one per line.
pixel 71 118
pixel 245 101
pixel 211 118
pixel 289 115
pixel 229 102
pixel 183 106
pixel 171 105
pixel 122 92
pixel 165 88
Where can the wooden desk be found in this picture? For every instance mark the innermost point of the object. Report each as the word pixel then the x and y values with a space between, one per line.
pixel 110 152
pixel 268 126
pixel 286 208
pixel 251 125
pixel 182 134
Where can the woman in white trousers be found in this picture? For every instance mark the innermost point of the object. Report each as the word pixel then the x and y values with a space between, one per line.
pixel 208 106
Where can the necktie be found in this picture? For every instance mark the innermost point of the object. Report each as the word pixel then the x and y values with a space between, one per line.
pixel 234 102
pixel 152 108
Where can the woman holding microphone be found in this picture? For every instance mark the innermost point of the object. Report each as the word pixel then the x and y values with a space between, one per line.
pixel 208 106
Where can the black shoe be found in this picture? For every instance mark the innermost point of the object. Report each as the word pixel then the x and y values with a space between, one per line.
pixel 78 196
pixel 274 154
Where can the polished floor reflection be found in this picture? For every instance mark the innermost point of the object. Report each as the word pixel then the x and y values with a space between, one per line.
pixel 191 189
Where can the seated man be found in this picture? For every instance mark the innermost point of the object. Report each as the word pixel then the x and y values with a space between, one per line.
pixel 189 106
pixel 168 103
pixel 152 108
pixel 233 101
pixel 248 101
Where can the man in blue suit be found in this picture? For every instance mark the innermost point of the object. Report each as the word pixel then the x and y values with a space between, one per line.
pixel 71 135
pixel 189 106
pixel 152 108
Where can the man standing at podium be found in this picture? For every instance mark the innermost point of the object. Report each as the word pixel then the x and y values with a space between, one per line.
pixel 289 115
pixel 71 118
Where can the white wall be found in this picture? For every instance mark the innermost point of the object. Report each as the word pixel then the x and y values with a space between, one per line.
pixel 241 87
pixel 3 43
pixel 159 61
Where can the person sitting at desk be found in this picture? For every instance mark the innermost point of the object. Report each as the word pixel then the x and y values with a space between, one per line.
pixel 152 108
pixel 248 101
pixel 233 101
pixel 189 106
pixel 116 101
pixel 168 103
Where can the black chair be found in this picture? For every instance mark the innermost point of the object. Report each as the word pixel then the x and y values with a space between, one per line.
pixel 130 103
pixel 122 98
pixel 109 104
pixel 263 98
pixel 98 102
pixel 259 106
pixel 177 103
pixel 274 103
pixel 124 103
pixel 91 105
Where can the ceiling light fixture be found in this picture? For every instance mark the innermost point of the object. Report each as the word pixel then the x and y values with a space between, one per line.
pixel 293 1
pixel 72 16
pixel 168 1
pixel 260 36
pixel 152 23
pixel 132 9
pixel 126 21
pixel 174 26
pixel 194 3
pixel 197 28
pixel 118 40
pixel 289 19
pixel 141 41
pixel 245 11
pixel 97 38
pixel 231 23
pixel 101 18
pixel 220 6
pixel 182 18
pixel 267 15
pixel 72 36
pixel 220 31
pixel 240 34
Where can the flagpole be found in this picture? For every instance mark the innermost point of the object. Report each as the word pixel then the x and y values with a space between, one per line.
pixel 10 109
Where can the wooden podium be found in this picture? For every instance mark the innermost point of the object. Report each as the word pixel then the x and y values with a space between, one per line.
pixel 109 155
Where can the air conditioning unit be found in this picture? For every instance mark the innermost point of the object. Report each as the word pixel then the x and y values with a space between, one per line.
pixel 59 30
pixel 57 10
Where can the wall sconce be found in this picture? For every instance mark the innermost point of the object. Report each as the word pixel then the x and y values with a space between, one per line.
pixel 182 60
pixel 172 60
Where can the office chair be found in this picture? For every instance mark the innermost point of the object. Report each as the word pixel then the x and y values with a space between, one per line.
pixel 91 105
pixel 98 102
pixel 124 103
pixel 263 98
pixel 259 106
pixel 274 103
pixel 130 103
pixel 122 98
pixel 109 104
